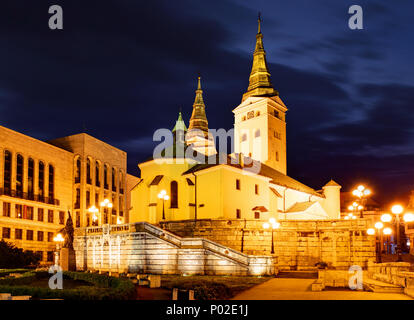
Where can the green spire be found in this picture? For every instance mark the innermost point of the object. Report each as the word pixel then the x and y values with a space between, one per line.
pixel 180 124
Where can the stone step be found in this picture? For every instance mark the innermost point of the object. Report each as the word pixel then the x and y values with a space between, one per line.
pixel 298 274
pixel 381 287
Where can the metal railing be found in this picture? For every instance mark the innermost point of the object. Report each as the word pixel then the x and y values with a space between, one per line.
pixel 28 196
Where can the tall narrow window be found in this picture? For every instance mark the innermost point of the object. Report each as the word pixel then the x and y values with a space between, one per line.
pixel 174 194
pixel 61 217
pixel 257 133
pixel 238 213
pixel 41 181
pixel 6 209
pixel 30 179
pixel 78 222
pixel 121 206
pixel 88 199
pixel 237 184
pixel 256 189
pixel 19 176
pixel 7 172
pixel 277 156
pixel 77 201
pixel 40 214
pixel 97 172
pixel 88 172
pixel 113 180
pixel 77 171
pixel 106 176
pixel 121 183
pixel 51 183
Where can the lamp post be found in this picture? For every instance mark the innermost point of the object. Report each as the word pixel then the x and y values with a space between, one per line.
pixel 274 225
pixel 106 204
pixel 163 196
pixel 58 239
pixel 378 238
pixel 361 193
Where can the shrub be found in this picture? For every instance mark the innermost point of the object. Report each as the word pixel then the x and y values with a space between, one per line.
pixel 13 257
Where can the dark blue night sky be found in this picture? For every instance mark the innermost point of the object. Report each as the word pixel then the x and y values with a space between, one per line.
pixel 122 69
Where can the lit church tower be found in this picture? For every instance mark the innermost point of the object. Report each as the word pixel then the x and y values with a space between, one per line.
pixel 259 121
pixel 198 136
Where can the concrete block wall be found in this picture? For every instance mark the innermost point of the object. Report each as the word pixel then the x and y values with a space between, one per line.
pixel 297 244
pixel 144 248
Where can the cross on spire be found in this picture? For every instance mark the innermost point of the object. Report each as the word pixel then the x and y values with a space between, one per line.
pixel 259 20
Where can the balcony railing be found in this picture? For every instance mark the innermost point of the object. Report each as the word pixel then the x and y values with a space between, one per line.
pixel 28 196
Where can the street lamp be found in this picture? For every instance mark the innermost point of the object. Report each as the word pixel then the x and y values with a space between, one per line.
pixel 163 196
pixel 362 193
pixel 58 239
pixel 94 210
pixel 397 209
pixel 106 204
pixel 274 225
pixel 371 231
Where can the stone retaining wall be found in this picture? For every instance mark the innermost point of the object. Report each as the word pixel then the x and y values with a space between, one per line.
pixel 144 248
pixel 297 244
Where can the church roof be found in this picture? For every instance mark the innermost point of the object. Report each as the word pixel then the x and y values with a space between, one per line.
pixel 332 184
pixel 260 84
pixel 277 177
pixel 300 206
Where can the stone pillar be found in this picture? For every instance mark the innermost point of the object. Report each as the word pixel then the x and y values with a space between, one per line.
pixel 67 259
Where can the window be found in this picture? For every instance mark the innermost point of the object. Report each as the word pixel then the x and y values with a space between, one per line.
pixel 88 199
pixel 50 216
pixel 238 214
pixel 50 237
pixel 41 180
pixel 121 206
pixel 277 156
pixel 244 118
pixel 106 177
pixel 257 215
pixel 51 183
pixel 50 256
pixel 29 235
pixel 18 234
pixel 97 181
pixel 276 113
pixel 256 189
pixel 6 209
pixel 29 213
pixel 257 133
pixel 237 184
pixel 97 200
pixel 6 233
pixel 174 194
pixel 39 254
pixel 30 179
pixel 78 224
pixel 19 176
pixel 19 211
pixel 88 171
pixel 40 214
pixel 244 137
pixel 113 180
pixel 40 236
pixel 250 114
pixel 257 113
pixel 77 170
pixel 121 181
pixel 61 217
pixel 88 220
pixel 277 135
pixel 77 200
pixel 7 172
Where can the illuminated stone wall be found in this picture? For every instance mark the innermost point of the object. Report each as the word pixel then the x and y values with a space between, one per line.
pixel 297 244
pixel 144 248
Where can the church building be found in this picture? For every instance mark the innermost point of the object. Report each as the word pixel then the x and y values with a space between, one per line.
pixel 251 183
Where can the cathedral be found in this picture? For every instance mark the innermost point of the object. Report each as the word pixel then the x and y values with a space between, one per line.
pixel 187 189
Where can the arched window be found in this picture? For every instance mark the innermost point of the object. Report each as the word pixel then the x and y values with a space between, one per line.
pixel 106 177
pixel 77 199
pixel 97 172
pixel 88 171
pixel 174 194
pixel 41 180
pixel 19 176
pixel 77 170
pixel 30 178
pixel 51 183
pixel 7 172
pixel 113 180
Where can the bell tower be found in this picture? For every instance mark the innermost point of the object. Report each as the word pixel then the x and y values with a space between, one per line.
pixel 260 119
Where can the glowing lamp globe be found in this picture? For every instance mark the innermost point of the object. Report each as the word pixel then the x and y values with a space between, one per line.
pixel 371 231
pixel 379 225
pixel 387 231
pixel 397 209
pixel 386 217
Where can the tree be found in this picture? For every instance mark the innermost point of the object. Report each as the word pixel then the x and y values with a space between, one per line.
pixel 13 257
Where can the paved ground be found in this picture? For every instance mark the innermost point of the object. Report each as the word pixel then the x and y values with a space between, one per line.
pixel 299 289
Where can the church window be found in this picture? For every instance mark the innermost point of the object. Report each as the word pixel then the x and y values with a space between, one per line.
pixel 277 156
pixel 237 184
pixel 250 114
pixel 257 133
pixel 238 213
pixel 174 194
pixel 276 113
pixel 244 118
pixel 257 215
pixel 277 135
pixel 257 113
pixel 256 189
pixel 244 137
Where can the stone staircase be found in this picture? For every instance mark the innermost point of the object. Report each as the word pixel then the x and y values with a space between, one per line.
pixel 381 287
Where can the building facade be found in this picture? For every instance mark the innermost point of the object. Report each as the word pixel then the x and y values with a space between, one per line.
pixel 40 182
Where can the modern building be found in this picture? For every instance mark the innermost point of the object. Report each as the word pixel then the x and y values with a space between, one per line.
pixel 249 184
pixel 40 182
